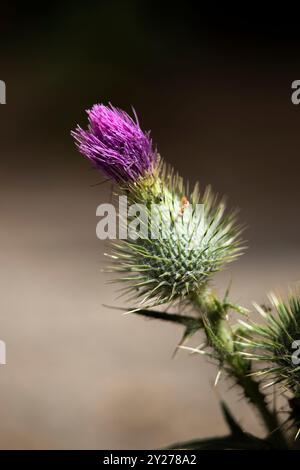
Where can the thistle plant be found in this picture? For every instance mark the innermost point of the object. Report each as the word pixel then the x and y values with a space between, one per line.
pixel 184 238
pixel 276 343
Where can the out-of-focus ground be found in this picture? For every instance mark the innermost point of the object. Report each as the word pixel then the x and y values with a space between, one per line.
pixel 78 374
pixel 217 98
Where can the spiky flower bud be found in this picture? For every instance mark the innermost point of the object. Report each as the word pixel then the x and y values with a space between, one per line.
pixel 189 238
pixel 183 246
pixel 115 144
pixel 277 342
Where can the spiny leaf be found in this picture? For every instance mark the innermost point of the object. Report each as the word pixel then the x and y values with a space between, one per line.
pixel 192 324
pixel 229 442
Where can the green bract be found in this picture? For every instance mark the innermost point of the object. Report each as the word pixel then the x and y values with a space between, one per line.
pixel 277 342
pixel 186 239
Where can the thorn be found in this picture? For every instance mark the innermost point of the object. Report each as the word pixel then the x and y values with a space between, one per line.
pixel 193 350
pixel 259 309
pixel 268 384
pixel 217 377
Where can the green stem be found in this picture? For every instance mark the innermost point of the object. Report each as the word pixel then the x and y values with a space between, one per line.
pixel 221 338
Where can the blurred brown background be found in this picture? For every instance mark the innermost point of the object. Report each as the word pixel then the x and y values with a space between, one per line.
pixel 214 87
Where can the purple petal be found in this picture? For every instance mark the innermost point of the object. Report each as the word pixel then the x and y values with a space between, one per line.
pixel 115 144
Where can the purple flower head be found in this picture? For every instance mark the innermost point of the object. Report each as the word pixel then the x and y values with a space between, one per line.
pixel 115 143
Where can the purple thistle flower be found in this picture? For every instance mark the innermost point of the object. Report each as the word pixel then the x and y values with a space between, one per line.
pixel 115 143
